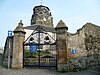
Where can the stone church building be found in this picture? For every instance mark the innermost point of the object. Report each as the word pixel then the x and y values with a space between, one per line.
pixel 42 45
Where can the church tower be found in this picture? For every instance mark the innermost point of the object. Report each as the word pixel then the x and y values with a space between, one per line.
pixel 42 16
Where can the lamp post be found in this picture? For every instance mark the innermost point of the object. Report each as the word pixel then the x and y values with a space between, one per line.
pixel 9 46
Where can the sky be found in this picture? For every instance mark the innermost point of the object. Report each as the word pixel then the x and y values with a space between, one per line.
pixel 75 13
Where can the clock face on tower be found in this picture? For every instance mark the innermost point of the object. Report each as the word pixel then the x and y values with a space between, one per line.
pixel 42 16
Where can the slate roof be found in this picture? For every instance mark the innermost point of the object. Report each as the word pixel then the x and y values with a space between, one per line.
pixel 61 24
pixel 47 29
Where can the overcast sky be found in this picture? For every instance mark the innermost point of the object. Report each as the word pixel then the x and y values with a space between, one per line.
pixel 75 13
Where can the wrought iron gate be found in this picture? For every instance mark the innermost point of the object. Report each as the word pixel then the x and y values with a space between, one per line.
pixel 40 49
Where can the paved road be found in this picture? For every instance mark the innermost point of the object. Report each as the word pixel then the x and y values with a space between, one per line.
pixel 37 71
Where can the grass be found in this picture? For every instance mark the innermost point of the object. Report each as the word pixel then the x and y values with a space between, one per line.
pixel 26 54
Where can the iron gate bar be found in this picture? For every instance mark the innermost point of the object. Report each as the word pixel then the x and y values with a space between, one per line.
pixel 39 44
pixel 30 35
pixel 49 35
pixel 39 30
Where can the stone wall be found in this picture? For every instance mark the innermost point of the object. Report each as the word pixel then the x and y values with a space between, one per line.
pixel 92 44
pixel 8 49
pixel 86 41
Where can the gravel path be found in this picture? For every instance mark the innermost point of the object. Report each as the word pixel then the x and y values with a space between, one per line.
pixel 37 71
